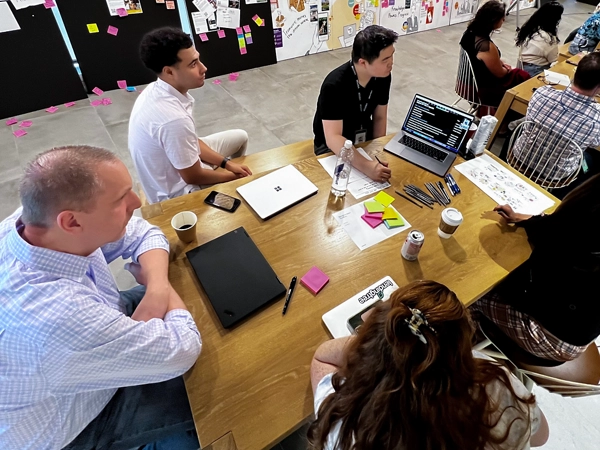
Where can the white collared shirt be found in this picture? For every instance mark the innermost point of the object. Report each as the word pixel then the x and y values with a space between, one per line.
pixel 163 139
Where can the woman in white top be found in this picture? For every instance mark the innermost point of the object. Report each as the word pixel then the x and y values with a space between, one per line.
pixel 409 380
pixel 538 38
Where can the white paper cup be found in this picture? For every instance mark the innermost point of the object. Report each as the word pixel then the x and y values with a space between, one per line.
pixel 184 224
pixel 449 222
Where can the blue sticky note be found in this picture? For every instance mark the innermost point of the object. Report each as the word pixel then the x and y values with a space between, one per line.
pixel 130 89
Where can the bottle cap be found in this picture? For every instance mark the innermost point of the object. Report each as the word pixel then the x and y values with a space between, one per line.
pixel 348 144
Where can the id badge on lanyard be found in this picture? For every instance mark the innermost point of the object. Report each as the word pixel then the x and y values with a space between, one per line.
pixel 360 135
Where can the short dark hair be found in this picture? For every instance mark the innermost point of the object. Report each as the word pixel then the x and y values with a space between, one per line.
pixel 587 75
pixel 159 47
pixel 63 178
pixel 369 42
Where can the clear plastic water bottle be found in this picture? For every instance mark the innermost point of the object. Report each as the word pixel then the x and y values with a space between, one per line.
pixel 482 135
pixel 341 172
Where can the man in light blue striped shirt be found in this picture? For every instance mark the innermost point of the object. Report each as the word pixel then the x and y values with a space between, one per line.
pixel 73 351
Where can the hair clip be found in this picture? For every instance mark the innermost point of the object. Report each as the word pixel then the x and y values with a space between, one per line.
pixel 415 322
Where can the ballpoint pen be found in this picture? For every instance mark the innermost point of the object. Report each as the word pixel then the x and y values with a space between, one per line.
pixel 289 295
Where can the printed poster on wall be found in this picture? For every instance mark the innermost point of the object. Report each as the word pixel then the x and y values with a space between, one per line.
pixel 131 6
pixel 410 16
pixel 303 27
pixel 463 10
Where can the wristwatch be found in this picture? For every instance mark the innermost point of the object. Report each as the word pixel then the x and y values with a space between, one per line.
pixel 225 161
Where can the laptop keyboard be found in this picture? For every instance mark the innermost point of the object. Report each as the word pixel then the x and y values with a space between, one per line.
pixel 421 147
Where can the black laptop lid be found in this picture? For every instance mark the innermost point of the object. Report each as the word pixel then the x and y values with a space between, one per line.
pixel 437 123
pixel 235 275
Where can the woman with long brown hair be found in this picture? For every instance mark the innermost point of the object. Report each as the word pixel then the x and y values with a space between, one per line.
pixel 409 380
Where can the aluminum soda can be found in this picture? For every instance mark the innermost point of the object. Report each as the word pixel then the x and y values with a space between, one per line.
pixel 412 245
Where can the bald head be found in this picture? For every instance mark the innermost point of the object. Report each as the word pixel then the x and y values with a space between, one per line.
pixel 63 178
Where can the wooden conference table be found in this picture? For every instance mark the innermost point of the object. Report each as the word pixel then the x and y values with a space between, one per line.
pixel 517 99
pixel 250 387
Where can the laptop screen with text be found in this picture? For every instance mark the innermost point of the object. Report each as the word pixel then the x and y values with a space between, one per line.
pixel 437 123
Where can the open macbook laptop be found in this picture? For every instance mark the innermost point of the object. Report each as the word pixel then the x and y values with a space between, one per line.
pixel 431 135
pixel 277 191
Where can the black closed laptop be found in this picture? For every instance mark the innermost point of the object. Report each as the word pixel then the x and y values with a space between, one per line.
pixel 237 278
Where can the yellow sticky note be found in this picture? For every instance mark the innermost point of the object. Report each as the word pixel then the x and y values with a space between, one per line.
pixel 93 28
pixel 259 22
pixel 394 223
pixel 374 207
pixel 241 42
pixel 390 213
pixel 384 199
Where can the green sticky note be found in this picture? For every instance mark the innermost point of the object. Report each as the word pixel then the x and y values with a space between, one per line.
pixel 384 199
pixel 394 223
pixel 374 207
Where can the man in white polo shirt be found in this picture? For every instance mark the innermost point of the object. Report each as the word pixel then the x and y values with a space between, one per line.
pixel 168 155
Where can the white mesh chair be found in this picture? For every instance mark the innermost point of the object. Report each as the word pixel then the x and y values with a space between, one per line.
pixel 466 85
pixel 547 158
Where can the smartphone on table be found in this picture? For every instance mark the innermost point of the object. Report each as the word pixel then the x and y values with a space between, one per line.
pixel 222 201
pixel 357 320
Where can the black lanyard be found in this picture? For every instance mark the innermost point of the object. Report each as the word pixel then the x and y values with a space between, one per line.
pixel 360 105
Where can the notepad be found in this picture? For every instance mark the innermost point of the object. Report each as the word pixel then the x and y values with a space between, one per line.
pixel 373 207
pixel 314 280
pixel 371 221
pixel 373 215
pixel 384 199
pixel 390 213
pixel 394 223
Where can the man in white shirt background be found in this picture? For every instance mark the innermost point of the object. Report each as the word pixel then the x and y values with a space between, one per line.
pixel 83 365
pixel 168 155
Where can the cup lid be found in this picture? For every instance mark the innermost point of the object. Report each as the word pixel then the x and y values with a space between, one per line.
pixel 452 216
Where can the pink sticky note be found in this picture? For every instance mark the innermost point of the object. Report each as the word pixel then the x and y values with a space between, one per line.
pixel 246 28
pixel 97 91
pixel 314 280
pixel 26 123
pixel 11 121
pixel 68 105
pixel 221 34
pixel 122 84
pixel 233 76
pixel 203 37
pixel 239 31
pixel 373 215
pixel 52 109
pixel 96 102
pixel 49 4
pixel 255 16
pixel 373 223
pixel 122 12
pixel 18 133
pixel 106 101
pixel 112 30
pixel 243 50
pixel 217 81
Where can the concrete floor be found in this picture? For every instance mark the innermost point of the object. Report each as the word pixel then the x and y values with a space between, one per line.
pixel 275 105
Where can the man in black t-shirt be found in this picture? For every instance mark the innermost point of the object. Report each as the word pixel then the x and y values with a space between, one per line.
pixel 353 100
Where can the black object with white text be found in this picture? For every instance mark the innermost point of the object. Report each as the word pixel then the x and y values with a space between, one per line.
pixel 222 201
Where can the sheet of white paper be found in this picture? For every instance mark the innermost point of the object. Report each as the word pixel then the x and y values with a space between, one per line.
pixel 7 19
pixel 200 24
pixel 503 186
pixel 336 319
pixel 228 18
pixel 20 4
pixel 359 184
pixel 558 78
pixel 205 8
pixel 360 232
pixel 113 5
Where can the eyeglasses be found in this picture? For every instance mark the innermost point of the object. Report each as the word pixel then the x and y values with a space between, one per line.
pixel 543 79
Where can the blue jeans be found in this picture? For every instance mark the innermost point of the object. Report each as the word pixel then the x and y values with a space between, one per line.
pixel 151 416
pixel 534 69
